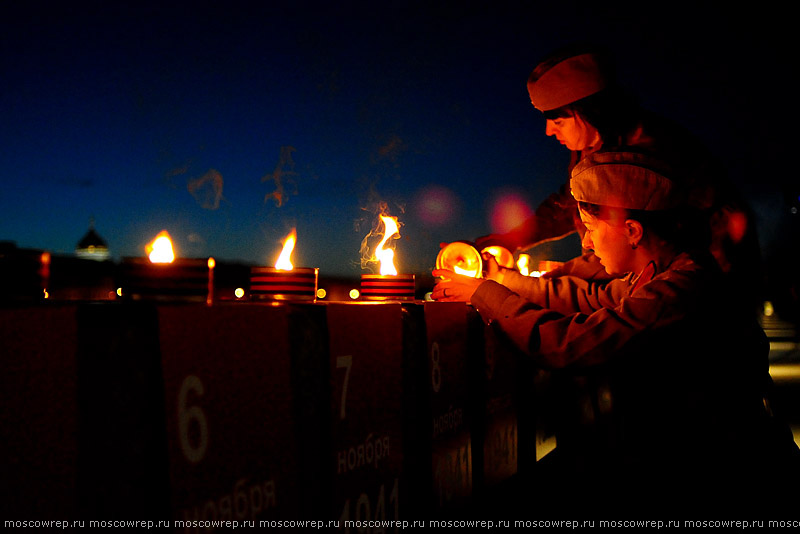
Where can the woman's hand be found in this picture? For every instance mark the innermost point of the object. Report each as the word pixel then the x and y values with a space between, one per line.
pixel 454 287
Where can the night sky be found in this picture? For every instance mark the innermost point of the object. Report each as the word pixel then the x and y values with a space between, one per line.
pixel 229 126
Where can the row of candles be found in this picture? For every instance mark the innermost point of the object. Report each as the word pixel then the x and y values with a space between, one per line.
pixel 284 281
pixel 162 275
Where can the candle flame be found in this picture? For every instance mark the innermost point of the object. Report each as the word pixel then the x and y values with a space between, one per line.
pixel 523 264
pixel 284 262
pixel 385 255
pixel 160 250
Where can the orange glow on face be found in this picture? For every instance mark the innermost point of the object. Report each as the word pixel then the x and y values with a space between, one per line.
pixel 384 255
pixel 160 250
pixel 284 262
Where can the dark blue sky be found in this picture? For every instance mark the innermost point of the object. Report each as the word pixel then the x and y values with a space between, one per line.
pixel 228 126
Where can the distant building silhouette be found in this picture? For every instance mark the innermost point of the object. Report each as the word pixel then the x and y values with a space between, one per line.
pixel 92 246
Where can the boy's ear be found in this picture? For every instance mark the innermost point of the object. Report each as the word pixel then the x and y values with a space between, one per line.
pixel 634 230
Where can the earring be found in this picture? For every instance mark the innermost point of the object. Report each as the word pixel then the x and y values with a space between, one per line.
pixel 634 246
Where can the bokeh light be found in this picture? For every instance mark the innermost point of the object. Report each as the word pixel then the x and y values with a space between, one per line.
pixel 436 205
pixel 507 211
pixel 737 226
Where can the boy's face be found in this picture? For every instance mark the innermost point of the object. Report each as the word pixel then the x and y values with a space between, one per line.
pixel 609 241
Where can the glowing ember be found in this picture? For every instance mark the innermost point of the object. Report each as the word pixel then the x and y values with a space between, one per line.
pixel 160 250
pixel 284 262
pixel 386 256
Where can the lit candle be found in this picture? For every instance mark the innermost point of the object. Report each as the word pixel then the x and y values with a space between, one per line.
pixel 284 281
pixel 388 285
pixel 161 276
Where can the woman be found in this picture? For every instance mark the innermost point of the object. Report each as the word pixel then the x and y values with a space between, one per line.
pixel 688 365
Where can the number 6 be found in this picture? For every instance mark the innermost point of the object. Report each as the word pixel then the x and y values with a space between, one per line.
pixel 185 417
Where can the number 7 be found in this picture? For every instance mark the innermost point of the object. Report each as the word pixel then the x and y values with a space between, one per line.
pixel 347 363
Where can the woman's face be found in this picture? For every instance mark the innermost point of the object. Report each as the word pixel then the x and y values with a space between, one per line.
pixel 572 131
pixel 609 241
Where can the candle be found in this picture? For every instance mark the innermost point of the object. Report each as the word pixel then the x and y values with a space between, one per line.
pixel 271 283
pixel 387 286
pixel 161 276
pixel 284 281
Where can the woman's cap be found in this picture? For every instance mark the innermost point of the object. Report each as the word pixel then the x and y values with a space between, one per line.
pixel 624 180
pixel 568 81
